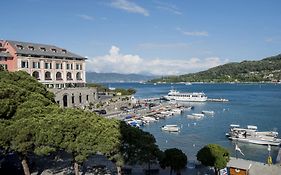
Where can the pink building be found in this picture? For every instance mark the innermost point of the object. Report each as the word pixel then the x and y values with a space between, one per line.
pixel 53 66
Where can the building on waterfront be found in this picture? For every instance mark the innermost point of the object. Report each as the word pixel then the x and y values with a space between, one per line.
pixel 55 67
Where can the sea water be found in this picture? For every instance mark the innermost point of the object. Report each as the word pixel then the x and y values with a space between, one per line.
pixel 249 104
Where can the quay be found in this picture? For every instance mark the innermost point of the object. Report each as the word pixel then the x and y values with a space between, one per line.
pixel 217 100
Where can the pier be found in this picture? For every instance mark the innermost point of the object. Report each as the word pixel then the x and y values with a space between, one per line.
pixel 217 100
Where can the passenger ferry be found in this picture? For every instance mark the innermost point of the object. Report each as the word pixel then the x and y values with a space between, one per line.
pixel 186 97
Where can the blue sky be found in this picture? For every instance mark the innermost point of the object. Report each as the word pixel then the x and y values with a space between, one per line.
pixel 149 36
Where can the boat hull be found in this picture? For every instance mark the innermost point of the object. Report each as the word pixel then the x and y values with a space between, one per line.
pixel 259 142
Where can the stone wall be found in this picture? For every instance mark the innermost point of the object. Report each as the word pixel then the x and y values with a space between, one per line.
pixel 75 97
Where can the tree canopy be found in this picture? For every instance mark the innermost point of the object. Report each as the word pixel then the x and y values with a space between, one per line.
pixel 213 155
pixel 175 159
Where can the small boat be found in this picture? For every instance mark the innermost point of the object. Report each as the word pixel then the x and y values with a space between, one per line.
pixel 208 112
pixel 170 128
pixel 251 135
pixel 198 114
pixel 195 116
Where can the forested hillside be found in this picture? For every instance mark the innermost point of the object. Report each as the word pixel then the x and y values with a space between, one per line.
pixel 265 70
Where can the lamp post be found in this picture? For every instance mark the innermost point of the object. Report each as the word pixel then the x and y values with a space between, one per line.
pixel 269 159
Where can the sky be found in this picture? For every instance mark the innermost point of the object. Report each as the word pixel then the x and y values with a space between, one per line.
pixel 162 37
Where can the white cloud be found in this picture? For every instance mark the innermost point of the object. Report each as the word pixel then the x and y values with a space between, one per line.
pixel 128 63
pixel 193 33
pixel 196 33
pixel 168 7
pixel 85 17
pixel 129 7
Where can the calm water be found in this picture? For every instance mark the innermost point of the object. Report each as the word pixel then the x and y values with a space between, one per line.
pixel 250 104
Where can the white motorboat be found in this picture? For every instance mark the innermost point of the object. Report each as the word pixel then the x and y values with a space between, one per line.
pixel 170 128
pixel 208 112
pixel 251 135
pixel 186 97
pixel 195 116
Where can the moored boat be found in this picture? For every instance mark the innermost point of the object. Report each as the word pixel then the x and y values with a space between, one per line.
pixel 208 112
pixel 251 135
pixel 186 97
pixel 170 128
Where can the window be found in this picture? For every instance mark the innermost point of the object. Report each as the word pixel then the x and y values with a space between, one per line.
pixel 78 76
pixel 58 65
pixel 80 66
pixel 77 66
pixel 63 51
pixel 30 47
pixel 54 50
pixel 3 66
pixel 48 65
pixel 87 97
pixel 43 49
pixel 72 98
pixel 19 47
pixel 69 76
pixel 36 75
pixel 36 65
pixel 58 76
pixel 48 76
pixel 24 64
pixel 80 98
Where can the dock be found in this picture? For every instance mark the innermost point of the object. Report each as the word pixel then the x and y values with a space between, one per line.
pixel 217 100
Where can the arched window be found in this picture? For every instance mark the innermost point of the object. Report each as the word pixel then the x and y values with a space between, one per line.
pixel 48 76
pixel 78 76
pixel 69 76
pixel 36 75
pixel 58 76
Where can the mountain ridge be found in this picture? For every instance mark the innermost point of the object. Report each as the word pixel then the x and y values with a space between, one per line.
pixel 94 77
pixel 265 70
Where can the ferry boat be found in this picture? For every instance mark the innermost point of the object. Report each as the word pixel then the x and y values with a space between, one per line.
pixel 186 97
pixel 251 135
pixel 170 128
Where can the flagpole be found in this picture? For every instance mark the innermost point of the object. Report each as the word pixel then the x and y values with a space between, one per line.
pixel 236 150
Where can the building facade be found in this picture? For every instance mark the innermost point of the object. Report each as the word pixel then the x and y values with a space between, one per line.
pixel 53 66
pixel 62 71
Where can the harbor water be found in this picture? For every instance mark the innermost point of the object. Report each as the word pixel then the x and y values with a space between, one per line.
pixel 249 104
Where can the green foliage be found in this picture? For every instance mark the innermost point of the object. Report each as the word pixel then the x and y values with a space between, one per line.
pixel 17 88
pixel 100 87
pixel 213 155
pixel 173 158
pixel 246 71
pixel 136 146
pixel 129 91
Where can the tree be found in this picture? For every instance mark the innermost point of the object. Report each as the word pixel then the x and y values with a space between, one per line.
pixel 213 155
pixel 136 146
pixel 175 159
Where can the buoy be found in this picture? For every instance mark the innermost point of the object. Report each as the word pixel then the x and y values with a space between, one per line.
pixel 166 141
pixel 193 145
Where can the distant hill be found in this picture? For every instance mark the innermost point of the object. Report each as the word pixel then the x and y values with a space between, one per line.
pixel 265 70
pixel 93 77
